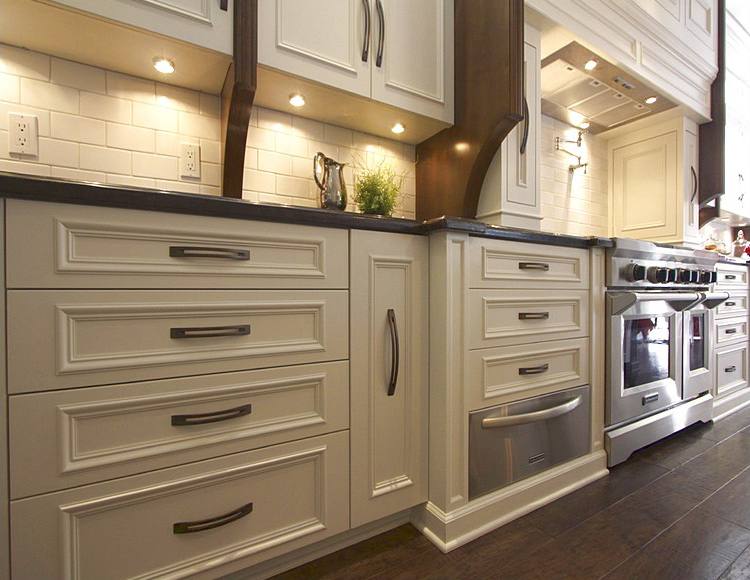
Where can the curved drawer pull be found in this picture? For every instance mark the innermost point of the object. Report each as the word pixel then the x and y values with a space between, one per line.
pixel 730 276
pixel 394 352
pixel 210 331
pixel 730 331
pixel 210 523
pixel 533 266
pixel 730 304
pixel 533 315
pixel 381 37
pixel 212 417
pixel 366 39
pixel 730 369
pixel 534 370
pixel 207 252
pixel 543 415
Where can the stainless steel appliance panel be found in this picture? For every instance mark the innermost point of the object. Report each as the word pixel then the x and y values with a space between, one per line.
pixel 511 442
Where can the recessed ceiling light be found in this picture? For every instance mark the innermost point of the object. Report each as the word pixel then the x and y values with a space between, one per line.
pixel 297 100
pixel 163 65
pixel 590 64
pixel 585 125
pixel 461 146
pixel 651 100
pixel 398 128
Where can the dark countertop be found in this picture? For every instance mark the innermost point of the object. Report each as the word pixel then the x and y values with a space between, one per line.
pixel 17 186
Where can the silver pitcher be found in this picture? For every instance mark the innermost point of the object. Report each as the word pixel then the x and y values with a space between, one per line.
pixel 329 175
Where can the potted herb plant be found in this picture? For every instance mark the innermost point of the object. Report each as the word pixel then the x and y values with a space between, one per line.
pixel 376 189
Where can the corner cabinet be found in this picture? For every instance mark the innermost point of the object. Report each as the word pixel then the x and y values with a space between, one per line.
pixel 510 194
pixel 389 373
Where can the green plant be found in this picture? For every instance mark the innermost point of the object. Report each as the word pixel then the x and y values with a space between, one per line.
pixel 376 189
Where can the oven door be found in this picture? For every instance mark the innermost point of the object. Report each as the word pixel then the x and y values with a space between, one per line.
pixel 697 361
pixel 645 335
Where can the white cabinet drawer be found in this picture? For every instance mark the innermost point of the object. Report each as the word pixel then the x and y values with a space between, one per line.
pixel 502 264
pixel 729 275
pixel 731 368
pixel 502 375
pixel 77 246
pixel 507 317
pixel 273 500
pixel 735 305
pixel 730 330
pixel 61 339
pixel 62 439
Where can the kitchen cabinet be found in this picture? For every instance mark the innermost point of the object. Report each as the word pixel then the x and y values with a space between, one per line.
pixel 397 53
pixel 389 369
pixel 206 23
pixel 654 181
pixel 510 193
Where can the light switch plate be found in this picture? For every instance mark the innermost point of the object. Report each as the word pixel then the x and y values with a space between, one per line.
pixel 23 134
pixel 190 160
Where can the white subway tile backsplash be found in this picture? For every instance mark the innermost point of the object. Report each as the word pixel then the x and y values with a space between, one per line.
pixel 44 95
pixel 131 138
pixel 259 181
pixel 251 158
pixel 308 129
pixel 157 166
pixel 169 143
pixel 274 162
pixel 177 98
pixel 275 120
pixel 131 88
pixel 338 136
pixel 211 174
pixel 24 167
pixel 155 117
pixel 10 88
pixel 77 174
pixel 293 186
pixel 199 126
pixel 24 63
pixel 130 181
pixel 56 152
pixel 74 128
pixel 105 159
pixel 78 76
pixel 302 167
pixel 181 186
pixel 291 144
pixel 106 108
pixel 41 115
pixel 210 151
pixel 210 105
pixel 261 138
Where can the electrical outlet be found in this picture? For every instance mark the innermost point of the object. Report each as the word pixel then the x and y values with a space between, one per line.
pixel 190 160
pixel 23 134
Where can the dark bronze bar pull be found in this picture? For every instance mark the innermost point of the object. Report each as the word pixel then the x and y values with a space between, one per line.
pixel 366 41
pixel 730 331
pixel 209 331
pixel 730 303
pixel 730 276
pixel 207 252
pixel 526 122
pixel 533 266
pixel 224 5
pixel 393 326
pixel 533 315
pixel 212 417
pixel 381 38
pixel 533 370
pixel 730 369
pixel 695 183
pixel 210 523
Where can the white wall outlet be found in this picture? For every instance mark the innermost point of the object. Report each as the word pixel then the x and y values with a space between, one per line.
pixel 23 134
pixel 190 160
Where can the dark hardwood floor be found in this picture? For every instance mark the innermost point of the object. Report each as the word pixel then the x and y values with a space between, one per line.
pixel 677 509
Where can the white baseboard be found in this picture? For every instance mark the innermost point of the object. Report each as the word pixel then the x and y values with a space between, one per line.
pixel 450 530
pixel 731 403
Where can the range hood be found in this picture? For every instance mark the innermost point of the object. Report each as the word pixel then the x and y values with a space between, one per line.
pixel 602 95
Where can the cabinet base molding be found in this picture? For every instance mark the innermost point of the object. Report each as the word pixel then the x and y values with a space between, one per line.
pixel 730 404
pixel 451 530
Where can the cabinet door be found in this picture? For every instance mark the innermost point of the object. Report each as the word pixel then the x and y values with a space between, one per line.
pixel 389 297
pixel 701 20
pixel 416 69
pixel 321 41
pixel 201 22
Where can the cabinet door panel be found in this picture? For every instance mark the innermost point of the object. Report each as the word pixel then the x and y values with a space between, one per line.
pixel 321 41
pixel 388 432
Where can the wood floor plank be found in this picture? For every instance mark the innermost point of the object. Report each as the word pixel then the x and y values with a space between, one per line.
pixel 739 569
pixel 674 451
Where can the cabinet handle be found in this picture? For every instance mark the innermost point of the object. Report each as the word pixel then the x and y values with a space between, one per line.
pixel 366 42
pixel 210 523
pixel 730 303
pixel 730 331
pixel 695 183
pixel 206 252
pixel 209 331
pixel 533 266
pixel 381 38
pixel 730 369
pixel 526 120
pixel 533 315
pixel 213 417
pixel 224 5
pixel 394 352
pixel 533 417
pixel 533 370
pixel 730 276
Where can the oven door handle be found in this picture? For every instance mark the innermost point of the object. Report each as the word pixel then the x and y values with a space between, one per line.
pixel 619 302
pixel 533 417
pixel 713 299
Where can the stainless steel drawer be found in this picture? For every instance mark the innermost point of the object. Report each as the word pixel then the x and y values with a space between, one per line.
pixel 509 443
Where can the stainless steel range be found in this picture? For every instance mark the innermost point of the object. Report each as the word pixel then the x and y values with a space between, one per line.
pixel 659 368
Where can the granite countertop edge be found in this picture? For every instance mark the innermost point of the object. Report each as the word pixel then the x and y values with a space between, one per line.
pixel 74 192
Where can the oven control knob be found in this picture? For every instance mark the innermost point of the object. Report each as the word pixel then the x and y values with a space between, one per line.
pixel 635 272
pixel 659 275
pixel 672 275
pixel 714 277
pixel 686 276
pixel 695 276
pixel 705 277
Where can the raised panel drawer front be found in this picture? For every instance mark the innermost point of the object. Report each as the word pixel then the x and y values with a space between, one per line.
pixel 508 317
pixel 77 246
pixel 731 276
pixel 62 439
pixel 188 520
pixel 502 375
pixel 730 330
pixel 61 339
pixel 731 368
pixel 735 305
pixel 501 264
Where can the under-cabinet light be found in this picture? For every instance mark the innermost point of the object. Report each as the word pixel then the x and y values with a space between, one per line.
pixel 163 65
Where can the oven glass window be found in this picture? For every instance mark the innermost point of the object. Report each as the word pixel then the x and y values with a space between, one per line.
pixel 697 337
pixel 646 350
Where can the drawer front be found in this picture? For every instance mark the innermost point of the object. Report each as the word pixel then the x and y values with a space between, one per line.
pixel 62 439
pixel 272 500
pixel 65 339
pixel 77 246
pixel 501 264
pixel 728 275
pixel 506 374
pixel 731 368
pixel 730 330
pixel 735 305
pixel 508 317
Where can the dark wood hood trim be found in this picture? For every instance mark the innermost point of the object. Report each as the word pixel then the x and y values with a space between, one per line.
pixel 488 54
pixel 238 95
